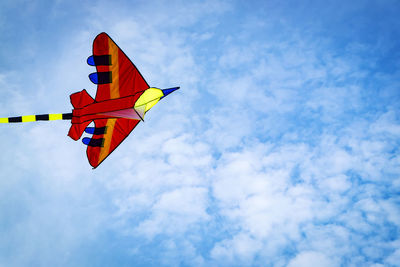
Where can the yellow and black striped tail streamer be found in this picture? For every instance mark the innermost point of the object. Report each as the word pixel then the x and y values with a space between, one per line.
pixel 43 117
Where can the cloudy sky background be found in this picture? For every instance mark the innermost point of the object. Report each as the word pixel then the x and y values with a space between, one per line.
pixel 280 149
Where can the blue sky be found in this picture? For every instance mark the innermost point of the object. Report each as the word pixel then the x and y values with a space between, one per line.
pixel 280 149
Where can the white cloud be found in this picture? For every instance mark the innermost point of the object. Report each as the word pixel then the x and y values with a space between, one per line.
pixel 311 258
pixel 175 212
pixel 394 258
pixel 238 251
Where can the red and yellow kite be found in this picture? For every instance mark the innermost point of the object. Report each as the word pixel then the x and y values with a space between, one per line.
pixel 122 99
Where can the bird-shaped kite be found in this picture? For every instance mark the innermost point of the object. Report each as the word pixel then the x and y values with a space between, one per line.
pixel 122 99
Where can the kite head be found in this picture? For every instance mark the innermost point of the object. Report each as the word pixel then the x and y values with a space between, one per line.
pixel 149 98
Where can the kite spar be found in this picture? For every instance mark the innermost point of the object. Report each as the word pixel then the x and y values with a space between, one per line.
pixel 122 99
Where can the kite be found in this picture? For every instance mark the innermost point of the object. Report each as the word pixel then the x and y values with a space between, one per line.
pixel 122 99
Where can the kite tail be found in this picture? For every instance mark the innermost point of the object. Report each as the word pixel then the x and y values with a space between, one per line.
pixel 43 117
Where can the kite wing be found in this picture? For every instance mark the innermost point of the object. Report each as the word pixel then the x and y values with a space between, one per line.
pixel 116 78
pixel 116 75
pixel 110 133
